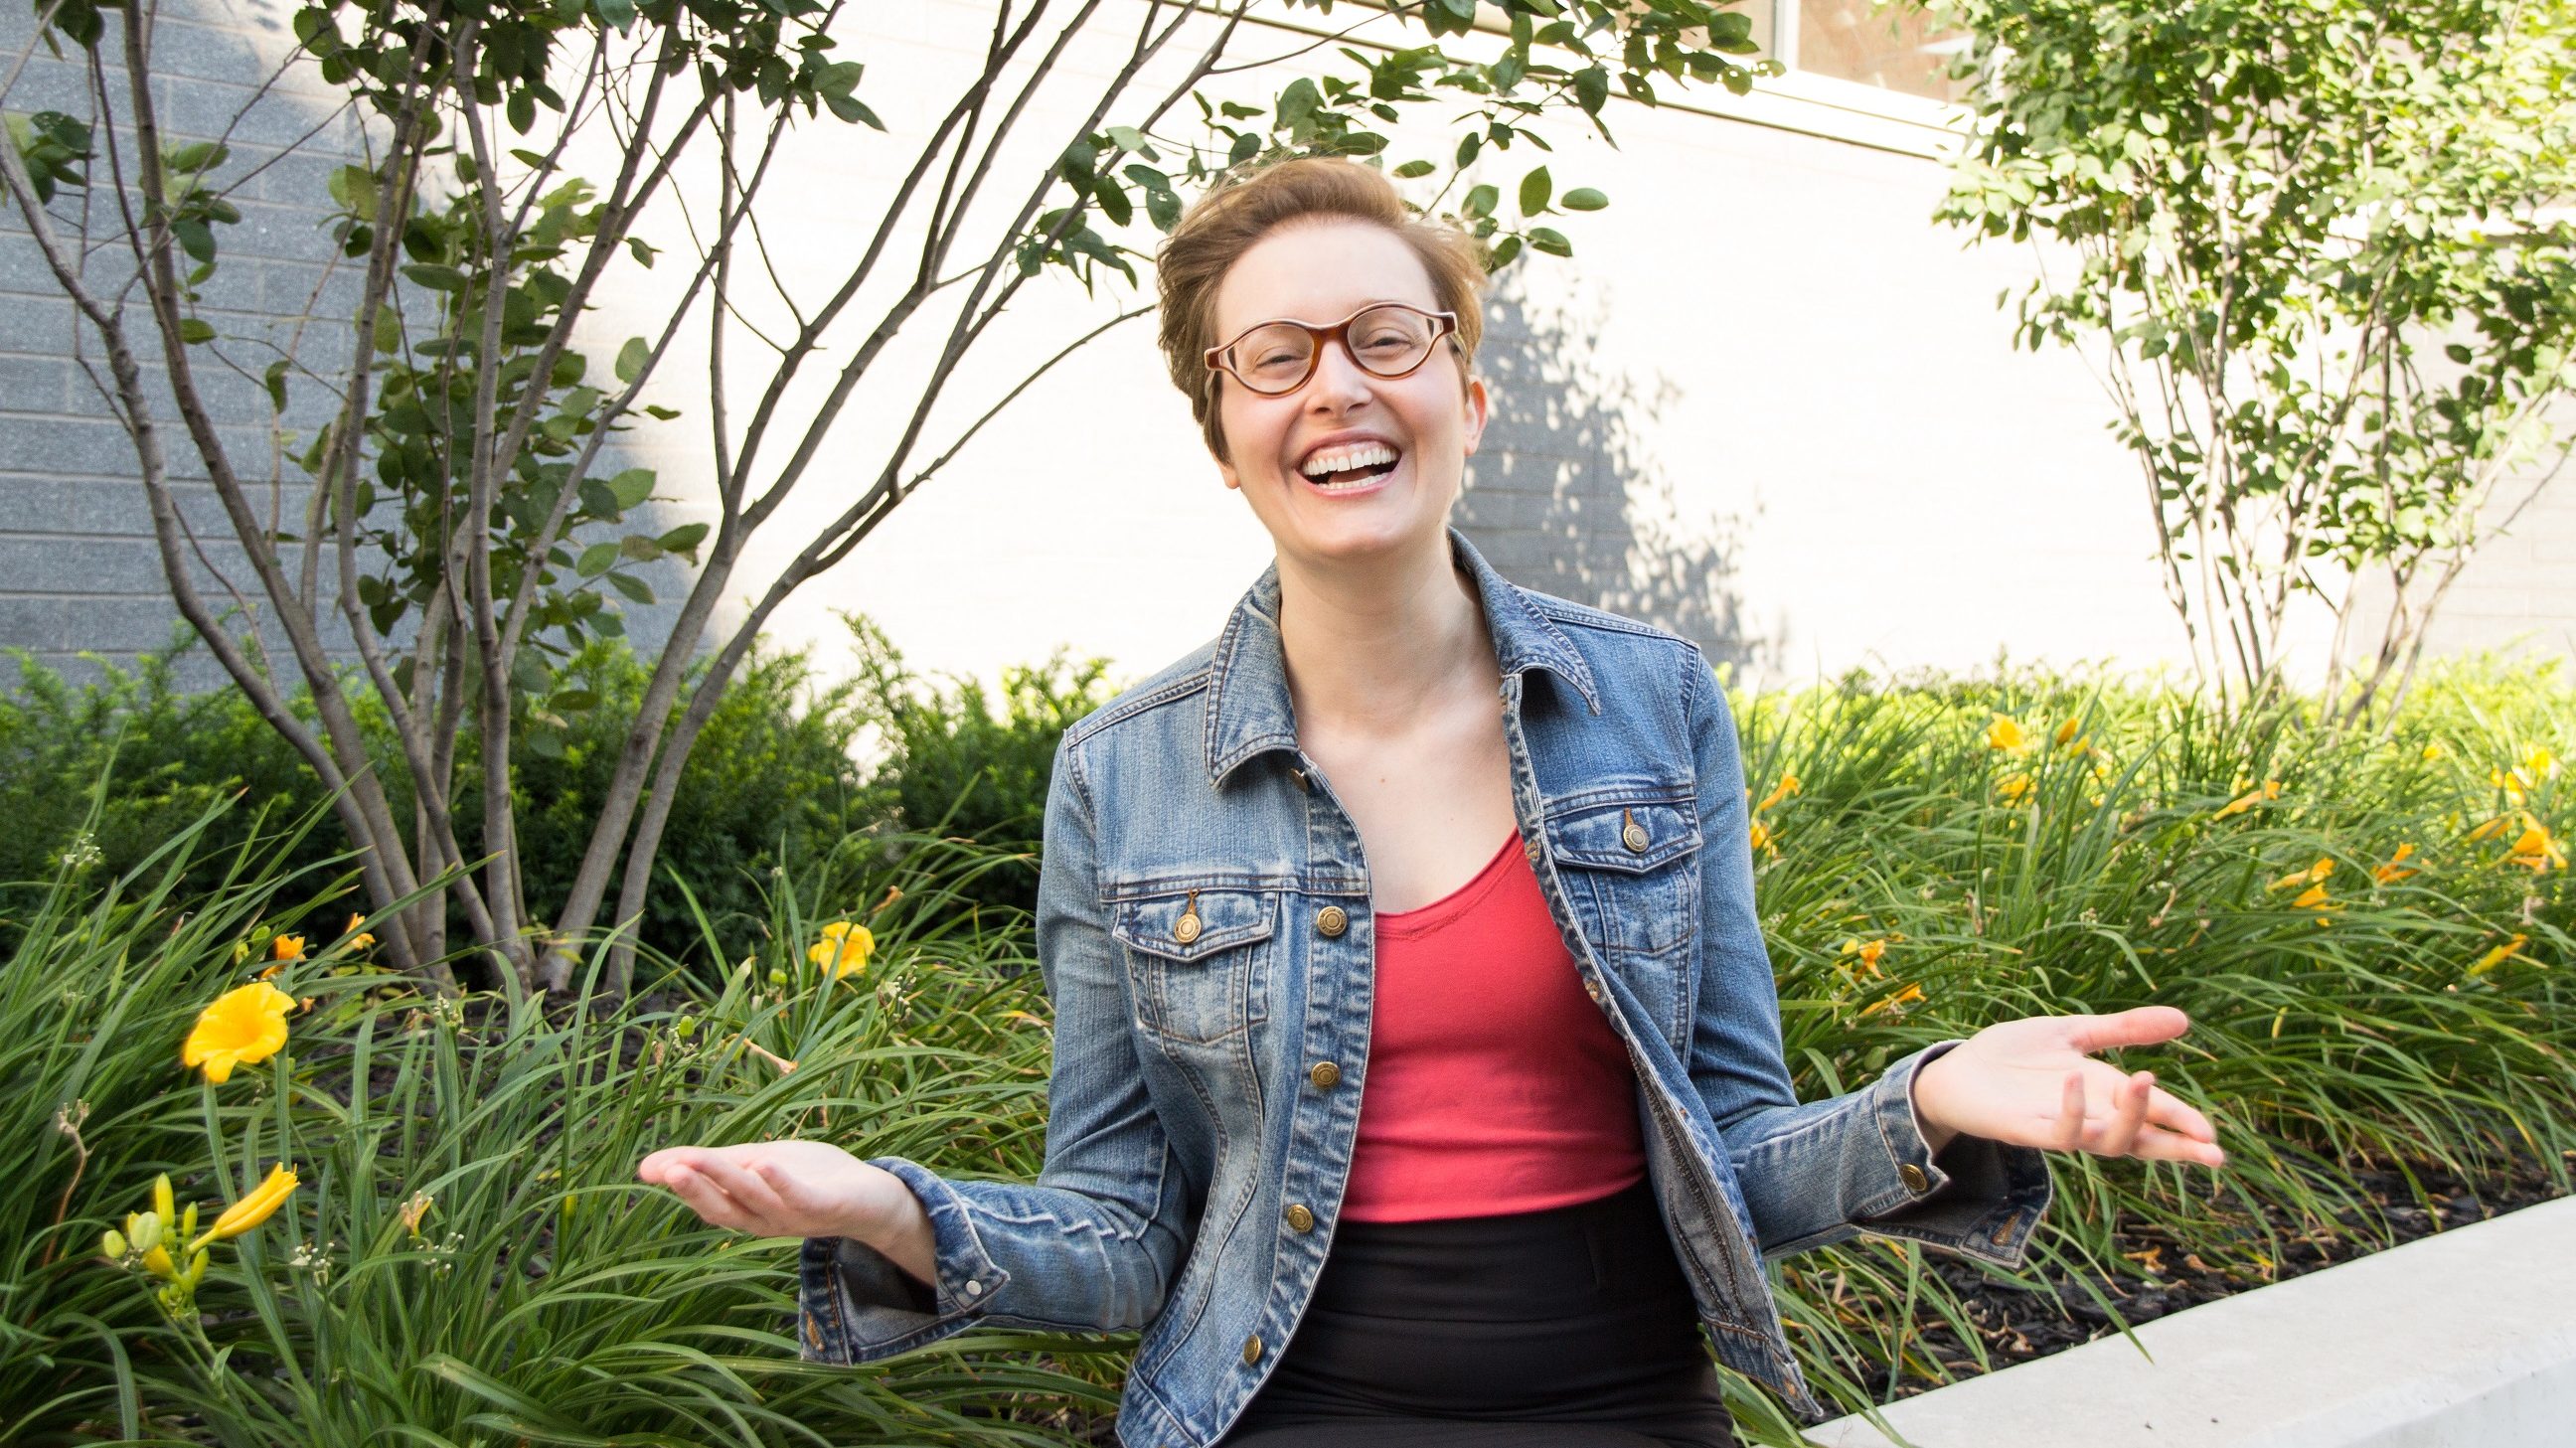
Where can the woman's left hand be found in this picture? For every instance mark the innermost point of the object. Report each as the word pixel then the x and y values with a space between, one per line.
pixel 2032 1082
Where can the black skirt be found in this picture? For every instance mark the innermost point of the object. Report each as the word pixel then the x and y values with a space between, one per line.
pixel 1570 1327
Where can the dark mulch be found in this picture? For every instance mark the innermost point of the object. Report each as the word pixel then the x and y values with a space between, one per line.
pixel 2019 1325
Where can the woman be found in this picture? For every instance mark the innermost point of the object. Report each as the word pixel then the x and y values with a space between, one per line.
pixel 1313 856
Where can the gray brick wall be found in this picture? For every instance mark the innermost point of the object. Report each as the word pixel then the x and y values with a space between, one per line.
pixel 80 572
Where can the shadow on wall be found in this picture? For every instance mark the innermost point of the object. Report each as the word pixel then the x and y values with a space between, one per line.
pixel 1565 496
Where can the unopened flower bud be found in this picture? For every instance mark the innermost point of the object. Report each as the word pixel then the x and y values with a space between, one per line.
pixel 143 1229
pixel 112 1243
pixel 161 1198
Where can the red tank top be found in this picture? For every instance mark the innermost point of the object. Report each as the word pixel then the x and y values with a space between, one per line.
pixel 1494 1083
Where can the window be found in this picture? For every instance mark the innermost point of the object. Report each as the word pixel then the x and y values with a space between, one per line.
pixel 1892 47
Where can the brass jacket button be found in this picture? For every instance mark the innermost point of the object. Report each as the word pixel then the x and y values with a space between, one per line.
pixel 1915 1180
pixel 1593 991
pixel 1299 1218
pixel 1332 920
pixel 1252 1350
pixel 1185 929
pixel 1633 834
pixel 1325 1074
pixel 1531 849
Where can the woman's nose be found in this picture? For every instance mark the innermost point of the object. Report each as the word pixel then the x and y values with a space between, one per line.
pixel 1339 379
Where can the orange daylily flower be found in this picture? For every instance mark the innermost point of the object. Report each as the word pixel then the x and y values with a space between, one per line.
pixel 1761 835
pixel 1912 992
pixel 1788 786
pixel 2391 872
pixel 2269 789
pixel 2005 733
pixel 2323 867
pixel 2535 850
pixel 1868 952
pixel 358 939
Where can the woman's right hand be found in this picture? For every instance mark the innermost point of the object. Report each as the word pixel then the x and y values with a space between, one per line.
pixel 781 1188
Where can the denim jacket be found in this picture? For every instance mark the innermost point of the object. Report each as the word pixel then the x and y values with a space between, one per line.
pixel 1203 929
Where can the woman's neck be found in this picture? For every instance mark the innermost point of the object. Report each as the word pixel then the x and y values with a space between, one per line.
pixel 1372 649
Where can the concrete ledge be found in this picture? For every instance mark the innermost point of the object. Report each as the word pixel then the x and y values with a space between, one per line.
pixel 2464 1339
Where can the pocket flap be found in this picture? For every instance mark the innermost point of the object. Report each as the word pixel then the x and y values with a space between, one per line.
pixel 1223 919
pixel 1634 835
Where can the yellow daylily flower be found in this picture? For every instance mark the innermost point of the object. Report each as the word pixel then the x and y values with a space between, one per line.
pixel 2433 750
pixel 358 939
pixel 2005 733
pixel 2323 867
pixel 845 947
pixel 2511 784
pixel 2312 898
pixel 2069 741
pixel 242 1026
pixel 2535 850
pixel 2269 789
pixel 2496 957
pixel 251 1210
pixel 1787 786
pixel 413 1210
pixel 1761 835
pixel 2392 872
pixel 2495 827
pixel 2013 787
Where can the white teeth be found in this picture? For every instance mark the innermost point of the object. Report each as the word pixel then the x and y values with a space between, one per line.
pixel 1342 459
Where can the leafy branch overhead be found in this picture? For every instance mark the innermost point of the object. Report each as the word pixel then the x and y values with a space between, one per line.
pixel 465 516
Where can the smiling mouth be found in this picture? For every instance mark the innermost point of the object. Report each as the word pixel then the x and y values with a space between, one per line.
pixel 1346 479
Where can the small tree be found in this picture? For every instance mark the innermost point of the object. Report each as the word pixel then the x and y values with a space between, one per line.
pixel 2274 204
pixel 447 500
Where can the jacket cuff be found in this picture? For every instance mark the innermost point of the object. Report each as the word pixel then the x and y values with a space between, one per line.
pixel 855 1305
pixel 1977 1196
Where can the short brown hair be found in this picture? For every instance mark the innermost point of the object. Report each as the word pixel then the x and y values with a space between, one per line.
pixel 1225 223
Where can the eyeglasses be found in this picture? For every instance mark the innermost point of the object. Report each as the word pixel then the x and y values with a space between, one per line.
pixel 1388 339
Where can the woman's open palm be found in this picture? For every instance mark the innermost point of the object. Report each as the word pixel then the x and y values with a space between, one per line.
pixel 2032 1082
pixel 775 1188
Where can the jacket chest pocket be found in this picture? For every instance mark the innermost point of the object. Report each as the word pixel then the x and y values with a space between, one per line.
pixel 1631 870
pixel 1199 960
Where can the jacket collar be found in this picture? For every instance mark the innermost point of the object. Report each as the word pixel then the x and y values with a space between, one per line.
pixel 1248 709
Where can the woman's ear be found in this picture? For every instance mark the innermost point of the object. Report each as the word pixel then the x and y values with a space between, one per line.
pixel 1478 408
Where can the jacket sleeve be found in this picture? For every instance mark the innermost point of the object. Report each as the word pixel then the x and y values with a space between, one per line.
pixel 1820 1172
pixel 1094 1243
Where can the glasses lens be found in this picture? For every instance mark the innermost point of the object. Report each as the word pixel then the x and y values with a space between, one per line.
pixel 1390 340
pixel 1273 357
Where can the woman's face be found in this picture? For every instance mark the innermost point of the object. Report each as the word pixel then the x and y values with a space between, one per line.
pixel 1321 272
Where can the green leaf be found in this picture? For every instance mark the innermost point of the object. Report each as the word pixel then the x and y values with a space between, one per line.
pixel 1535 189
pixel 193 331
pixel 683 538
pixel 1583 198
pixel 634 588
pixel 642 250
pixel 1547 240
pixel 631 487
pixel 437 278
pixel 1411 169
pixel 1481 201
pixel 2459 354
pixel 631 359
pixel 596 496
pixel 638 547
pixel 619 13
pixel 275 380
pixel 595 559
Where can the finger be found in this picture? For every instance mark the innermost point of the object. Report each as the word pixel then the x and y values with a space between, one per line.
pixel 705 1198
pixel 2155 1144
pixel 2128 1113
pixel 757 1198
pixel 2070 1114
pixel 2137 1026
pixel 656 1166
pixel 2175 1114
